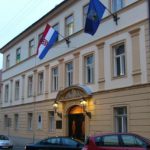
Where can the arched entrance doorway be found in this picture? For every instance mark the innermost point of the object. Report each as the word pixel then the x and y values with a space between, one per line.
pixel 76 122
pixel 70 99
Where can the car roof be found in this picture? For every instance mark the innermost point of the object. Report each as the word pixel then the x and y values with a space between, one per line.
pixel 61 137
pixel 113 133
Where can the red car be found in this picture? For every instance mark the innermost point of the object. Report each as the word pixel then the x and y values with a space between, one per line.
pixel 117 141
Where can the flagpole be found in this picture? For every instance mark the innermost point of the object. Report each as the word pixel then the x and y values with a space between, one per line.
pixel 115 16
pixel 66 39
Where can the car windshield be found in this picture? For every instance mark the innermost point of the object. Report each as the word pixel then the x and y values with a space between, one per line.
pixel 2 137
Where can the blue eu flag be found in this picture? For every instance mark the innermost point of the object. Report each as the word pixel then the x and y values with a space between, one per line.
pixel 94 15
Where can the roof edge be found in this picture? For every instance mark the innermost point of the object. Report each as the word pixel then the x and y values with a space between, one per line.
pixel 37 24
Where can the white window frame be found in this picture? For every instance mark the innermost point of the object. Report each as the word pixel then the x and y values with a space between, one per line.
pixel 30 86
pixel 6 121
pixel 117 5
pixel 6 92
pixel 69 25
pixel 40 83
pixel 17 89
pixel 51 119
pixel 123 117
pixel 39 121
pixel 40 36
pixel 69 74
pixel 89 78
pixel 31 47
pixel 122 58
pixel 18 53
pixel 85 10
pixel 55 78
pixel 7 61
pixel 30 121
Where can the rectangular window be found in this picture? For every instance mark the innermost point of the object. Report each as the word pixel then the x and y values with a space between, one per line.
pixel 30 86
pixel 39 121
pixel 30 121
pixel 16 121
pixel 119 60
pixel 5 121
pixel 51 121
pixel 85 10
pixel 31 47
pixel 69 25
pixel 40 83
pixel 89 69
pixel 120 119
pixel 117 5
pixel 17 86
pixel 55 79
pixel 7 61
pixel 6 93
pixel 40 36
pixel 69 74
pixel 18 55
pixel 56 28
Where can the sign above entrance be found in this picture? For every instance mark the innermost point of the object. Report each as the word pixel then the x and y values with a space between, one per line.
pixel 74 92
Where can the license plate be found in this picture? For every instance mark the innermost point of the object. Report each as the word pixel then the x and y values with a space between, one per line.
pixel 5 146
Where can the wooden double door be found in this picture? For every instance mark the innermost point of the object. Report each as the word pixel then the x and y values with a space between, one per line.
pixel 76 126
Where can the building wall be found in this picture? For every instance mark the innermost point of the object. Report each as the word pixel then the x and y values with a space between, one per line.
pixel 101 105
pixel 147 43
pixel 108 23
pixel 136 99
pixel 132 90
pixel 137 72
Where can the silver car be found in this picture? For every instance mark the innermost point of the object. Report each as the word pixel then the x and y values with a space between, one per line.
pixel 5 143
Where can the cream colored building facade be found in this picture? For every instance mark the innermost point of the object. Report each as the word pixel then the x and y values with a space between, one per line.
pixel 100 83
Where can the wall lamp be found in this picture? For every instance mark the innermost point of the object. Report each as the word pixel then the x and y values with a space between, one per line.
pixel 84 105
pixel 55 107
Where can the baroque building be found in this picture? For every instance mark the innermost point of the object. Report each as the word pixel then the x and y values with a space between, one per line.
pixel 96 84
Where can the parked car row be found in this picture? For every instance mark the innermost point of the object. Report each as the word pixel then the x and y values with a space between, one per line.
pixel 110 141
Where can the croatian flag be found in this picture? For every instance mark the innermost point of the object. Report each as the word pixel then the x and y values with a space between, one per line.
pixel 48 39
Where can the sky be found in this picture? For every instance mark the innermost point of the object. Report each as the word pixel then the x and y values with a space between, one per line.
pixel 17 15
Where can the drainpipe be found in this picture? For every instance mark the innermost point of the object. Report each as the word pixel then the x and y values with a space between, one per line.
pixel 149 14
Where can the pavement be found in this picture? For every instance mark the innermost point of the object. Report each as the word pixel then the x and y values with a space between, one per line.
pixel 18 148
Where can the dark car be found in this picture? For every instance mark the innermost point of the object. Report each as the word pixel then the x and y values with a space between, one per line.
pixel 5 143
pixel 120 141
pixel 56 143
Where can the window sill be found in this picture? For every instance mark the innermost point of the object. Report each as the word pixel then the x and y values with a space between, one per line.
pixel 30 96
pixel 54 91
pixel 51 131
pixel 119 77
pixel 39 129
pixel 89 83
pixel 40 94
